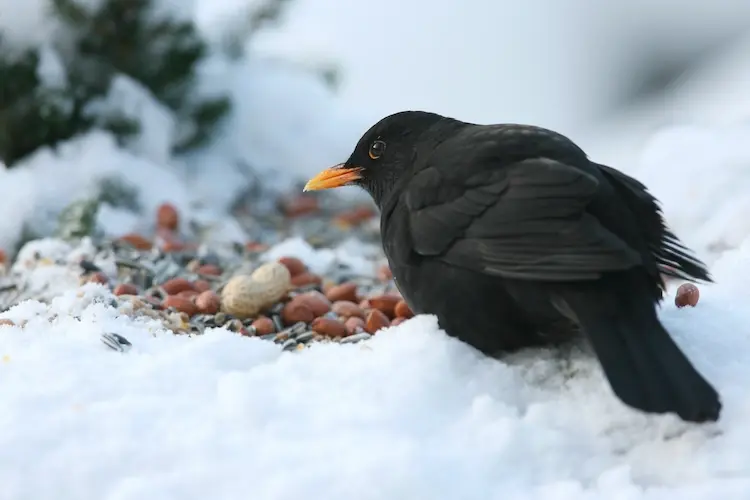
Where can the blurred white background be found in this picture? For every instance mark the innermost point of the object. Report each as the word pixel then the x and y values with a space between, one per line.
pixel 607 73
pixel 581 66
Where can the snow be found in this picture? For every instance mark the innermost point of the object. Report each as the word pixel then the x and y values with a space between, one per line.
pixel 700 174
pixel 284 119
pixel 312 132
pixel 76 170
pixel 411 413
pixel 350 253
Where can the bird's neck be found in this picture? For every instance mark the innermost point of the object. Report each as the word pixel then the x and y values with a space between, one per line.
pixel 378 193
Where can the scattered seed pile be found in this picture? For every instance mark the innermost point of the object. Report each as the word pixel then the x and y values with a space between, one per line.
pixel 279 301
pixel 189 288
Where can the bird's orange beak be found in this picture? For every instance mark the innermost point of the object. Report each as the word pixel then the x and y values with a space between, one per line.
pixel 336 176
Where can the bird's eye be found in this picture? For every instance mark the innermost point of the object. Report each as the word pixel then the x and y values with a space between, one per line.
pixel 377 149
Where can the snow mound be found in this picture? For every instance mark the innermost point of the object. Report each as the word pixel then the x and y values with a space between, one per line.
pixel 411 413
pixel 350 253
pixel 701 176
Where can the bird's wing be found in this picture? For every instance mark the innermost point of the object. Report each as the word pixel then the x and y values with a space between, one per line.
pixel 672 258
pixel 526 220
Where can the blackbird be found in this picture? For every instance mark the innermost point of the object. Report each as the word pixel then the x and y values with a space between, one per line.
pixel 514 238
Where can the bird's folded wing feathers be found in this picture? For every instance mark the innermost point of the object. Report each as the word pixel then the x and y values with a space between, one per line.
pixel 527 220
pixel 672 257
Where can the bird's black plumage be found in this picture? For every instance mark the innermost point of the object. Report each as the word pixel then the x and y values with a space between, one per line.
pixel 514 238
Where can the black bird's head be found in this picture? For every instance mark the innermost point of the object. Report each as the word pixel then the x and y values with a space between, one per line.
pixel 384 153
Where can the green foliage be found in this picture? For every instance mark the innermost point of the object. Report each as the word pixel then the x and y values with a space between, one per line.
pixel 78 219
pixel 117 193
pixel 128 37
pixel 33 114
pixel 118 37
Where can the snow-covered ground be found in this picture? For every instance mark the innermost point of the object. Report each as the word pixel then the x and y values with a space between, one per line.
pixel 411 414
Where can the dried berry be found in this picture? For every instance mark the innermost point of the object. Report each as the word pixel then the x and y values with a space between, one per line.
pixel 295 311
pixel 295 266
pixel 201 285
pixel 180 304
pixel 187 294
pixel 328 327
pixel 385 303
pixel 263 325
pixel 344 291
pixel 375 321
pixel 687 295
pixel 354 325
pixel 316 301
pixel 125 289
pixel 305 279
pixel 167 217
pixel 402 310
pixel 176 285
pixel 208 302
pixel 136 241
pixel 347 309
pixel 209 270
pixel 255 247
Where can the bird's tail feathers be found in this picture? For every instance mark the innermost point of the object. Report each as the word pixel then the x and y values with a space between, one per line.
pixel 643 364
